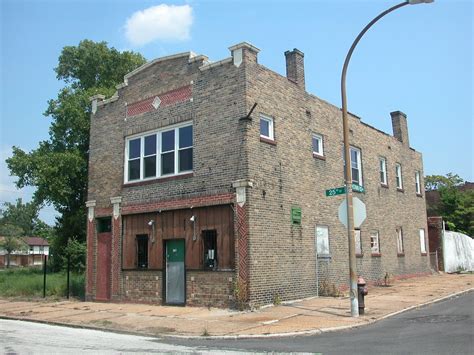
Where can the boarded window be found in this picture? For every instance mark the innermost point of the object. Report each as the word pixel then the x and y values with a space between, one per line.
pixel 104 225
pixel 322 240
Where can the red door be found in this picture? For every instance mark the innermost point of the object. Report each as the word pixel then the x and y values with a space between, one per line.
pixel 104 256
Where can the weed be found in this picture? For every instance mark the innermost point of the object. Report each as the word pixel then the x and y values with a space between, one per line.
pixel 205 333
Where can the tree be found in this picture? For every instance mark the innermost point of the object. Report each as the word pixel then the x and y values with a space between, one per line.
pixel 24 216
pixel 58 168
pixel 11 240
pixel 455 205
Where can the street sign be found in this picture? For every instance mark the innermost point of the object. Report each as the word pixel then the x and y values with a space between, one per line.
pixel 336 191
pixel 360 212
pixel 358 188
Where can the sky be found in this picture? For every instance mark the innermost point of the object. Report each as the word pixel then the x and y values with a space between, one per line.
pixel 418 59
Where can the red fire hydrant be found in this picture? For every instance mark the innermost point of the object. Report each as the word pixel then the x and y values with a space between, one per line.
pixel 362 291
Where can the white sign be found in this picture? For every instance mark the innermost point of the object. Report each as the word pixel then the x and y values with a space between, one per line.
pixel 360 212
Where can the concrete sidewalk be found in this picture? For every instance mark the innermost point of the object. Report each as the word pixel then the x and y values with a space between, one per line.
pixel 308 316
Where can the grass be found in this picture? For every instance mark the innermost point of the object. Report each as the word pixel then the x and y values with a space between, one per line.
pixel 28 282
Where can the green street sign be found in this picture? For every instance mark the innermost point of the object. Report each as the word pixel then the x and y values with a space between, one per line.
pixel 342 190
pixel 357 188
pixel 336 191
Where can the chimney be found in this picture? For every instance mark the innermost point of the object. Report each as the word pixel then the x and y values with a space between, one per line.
pixel 400 128
pixel 295 67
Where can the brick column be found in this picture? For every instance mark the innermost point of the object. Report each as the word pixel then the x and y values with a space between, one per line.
pixel 90 259
pixel 243 236
pixel 116 234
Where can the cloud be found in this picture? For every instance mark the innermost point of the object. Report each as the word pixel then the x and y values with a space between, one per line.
pixel 161 22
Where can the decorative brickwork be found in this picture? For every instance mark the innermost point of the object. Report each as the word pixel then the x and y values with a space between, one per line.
pixel 166 99
pixel 243 235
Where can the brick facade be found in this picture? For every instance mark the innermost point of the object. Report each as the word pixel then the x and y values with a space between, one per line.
pixel 273 258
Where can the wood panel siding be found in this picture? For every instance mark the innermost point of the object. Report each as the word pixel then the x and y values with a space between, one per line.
pixel 176 224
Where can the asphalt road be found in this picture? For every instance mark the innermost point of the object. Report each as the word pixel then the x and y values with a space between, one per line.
pixel 441 328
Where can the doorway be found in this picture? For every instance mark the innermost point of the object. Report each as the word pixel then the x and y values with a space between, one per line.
pixel 104 258
pixel 175 272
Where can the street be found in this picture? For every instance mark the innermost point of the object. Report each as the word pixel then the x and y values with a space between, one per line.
pixel 441 328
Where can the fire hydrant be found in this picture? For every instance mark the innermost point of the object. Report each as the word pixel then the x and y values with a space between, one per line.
pixel 361 293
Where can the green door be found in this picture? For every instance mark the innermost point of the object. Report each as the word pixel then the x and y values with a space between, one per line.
pixel 175 278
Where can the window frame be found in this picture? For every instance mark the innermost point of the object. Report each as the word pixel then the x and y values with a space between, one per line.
pixel 422 237
pixel 358 242
pixel 374 235
pixel 327 244
pixel 417 183
pixel 140 238
pixel 400 243
pixel 399 176
pixel 383 171
pixel 158 154
pixel 271 127
pixel 359 165
pixel 320 144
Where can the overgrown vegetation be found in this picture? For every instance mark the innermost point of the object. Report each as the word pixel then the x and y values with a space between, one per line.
pixel 28 282
pixel 456 205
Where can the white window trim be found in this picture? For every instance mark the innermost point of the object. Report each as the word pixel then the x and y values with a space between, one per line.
pixel 359 165
pixel 417 183
pixel 422 235
pixel 320 144
pixel 321 226
pixel 399 176
pixel 158 133
pixel 383 169
pixel 270 127
pixel 358 241
pixel 400 246
pixel 374 235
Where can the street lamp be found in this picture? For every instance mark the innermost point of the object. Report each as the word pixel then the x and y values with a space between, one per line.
pixel 347 158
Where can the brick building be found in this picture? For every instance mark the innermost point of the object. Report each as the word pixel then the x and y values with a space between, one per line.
pixel 199 196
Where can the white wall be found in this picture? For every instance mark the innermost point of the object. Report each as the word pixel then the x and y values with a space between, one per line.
pixel 458 252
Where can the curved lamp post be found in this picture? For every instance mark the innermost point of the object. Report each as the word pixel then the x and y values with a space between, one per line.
pixel 348 171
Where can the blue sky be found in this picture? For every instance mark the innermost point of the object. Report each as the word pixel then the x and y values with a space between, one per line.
pixel 418 59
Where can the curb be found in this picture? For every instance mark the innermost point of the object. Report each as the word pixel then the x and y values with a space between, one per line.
pixel 316 331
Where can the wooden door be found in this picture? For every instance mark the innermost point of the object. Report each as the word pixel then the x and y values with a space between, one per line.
pixel 104 258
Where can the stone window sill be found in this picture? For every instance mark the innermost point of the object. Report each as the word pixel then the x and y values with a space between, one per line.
pixel 376 255
pixel 385 186
pixel 318 156
pixel 359 255
pixel 400 190
pixel 400 254
pixel 268 141
pixel 419 195
pixel 424 254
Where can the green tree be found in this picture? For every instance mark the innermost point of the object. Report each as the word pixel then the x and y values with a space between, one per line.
pixel 456 206
pixel 11 239
pixel 58 168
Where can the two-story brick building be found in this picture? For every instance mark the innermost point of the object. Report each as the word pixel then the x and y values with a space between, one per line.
pixel 207 184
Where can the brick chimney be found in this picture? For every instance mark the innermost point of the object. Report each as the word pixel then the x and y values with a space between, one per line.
pixel 295 67
pixel 400 128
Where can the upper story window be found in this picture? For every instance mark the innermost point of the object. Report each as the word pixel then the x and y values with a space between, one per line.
pixel 317 143
pixel 356 166
pixel 417 183
pixel 160 153
pixel 266 127
pixel 383 170
pixel 398 176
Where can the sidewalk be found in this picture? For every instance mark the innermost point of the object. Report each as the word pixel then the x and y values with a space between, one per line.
pixel 309 316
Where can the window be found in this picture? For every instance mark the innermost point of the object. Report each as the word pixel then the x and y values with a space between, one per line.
pixel 322 240
pixel 209 239
pixel 358 243
pixel 422 241
pixel 399 240
pixel 318 145
pixel 417 183
pixel 398 176
pixel 383 171
pixel 374 242
pixel 161 153
pixel 266 127
pixel 356 166
pixel 104 225
pixel 142 251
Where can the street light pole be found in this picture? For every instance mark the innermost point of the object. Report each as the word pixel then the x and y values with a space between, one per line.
pixel 347 158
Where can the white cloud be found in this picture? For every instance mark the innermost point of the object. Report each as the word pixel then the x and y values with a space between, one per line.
pixel 161 22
